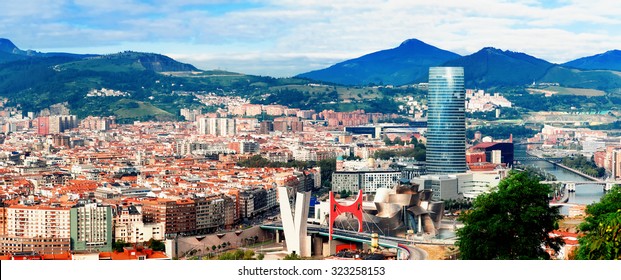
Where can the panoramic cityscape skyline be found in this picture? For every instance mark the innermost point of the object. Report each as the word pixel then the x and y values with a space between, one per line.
pixel 114 147
pixel 285 38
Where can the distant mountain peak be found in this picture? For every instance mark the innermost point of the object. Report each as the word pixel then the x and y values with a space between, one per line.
pixel 491 49
pixel 7 46
pixel 407 63
pixel 491 67
pixel 412 42
pixel 416 45
pixel 610 60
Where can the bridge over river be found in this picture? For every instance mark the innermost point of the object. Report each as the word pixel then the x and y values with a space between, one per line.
pixel 534 158
pixel 572 185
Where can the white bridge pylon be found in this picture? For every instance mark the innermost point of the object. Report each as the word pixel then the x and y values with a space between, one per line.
pixel 295 227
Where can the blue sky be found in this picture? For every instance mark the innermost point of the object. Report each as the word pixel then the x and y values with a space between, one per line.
pixel 287 37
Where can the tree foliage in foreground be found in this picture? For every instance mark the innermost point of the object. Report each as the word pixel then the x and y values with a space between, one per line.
pixel 602 240
pixel 511 223
pixel 292 256
pixel 238 254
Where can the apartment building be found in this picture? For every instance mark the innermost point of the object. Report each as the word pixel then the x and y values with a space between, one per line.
pixel 42 229
pixel 178 216
pixel 130 227
pixel 91 227
pixel 216 126
pixel 209 213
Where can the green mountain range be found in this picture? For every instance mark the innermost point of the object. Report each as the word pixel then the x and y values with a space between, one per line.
pixel 36 80
pixel 489 67
pixel 492 67
pixel 155 86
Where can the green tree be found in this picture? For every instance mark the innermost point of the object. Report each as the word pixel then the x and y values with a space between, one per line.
pixel 248 255
pixel 602 240
pixel 156 245
pixel 387 141
pixel 118 245
pixel 235 255
pixel 238 254
pixel 328 166
pixel 292 256
pixel 585 165
pixel 502 131
pixel 510 223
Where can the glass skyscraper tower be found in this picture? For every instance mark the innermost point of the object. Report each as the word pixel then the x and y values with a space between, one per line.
pixel 446 121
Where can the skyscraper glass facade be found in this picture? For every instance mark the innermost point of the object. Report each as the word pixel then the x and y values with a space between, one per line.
pixel 446 121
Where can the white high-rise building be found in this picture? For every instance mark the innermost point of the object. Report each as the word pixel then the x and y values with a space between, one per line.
pixel 216 126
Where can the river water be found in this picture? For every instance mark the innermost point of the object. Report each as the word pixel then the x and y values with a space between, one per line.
pixel 585 194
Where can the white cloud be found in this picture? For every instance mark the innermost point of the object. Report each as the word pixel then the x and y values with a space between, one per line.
pixel 311 34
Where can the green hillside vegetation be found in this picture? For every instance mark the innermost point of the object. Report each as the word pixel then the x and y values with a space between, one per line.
pixel 201 73
pixel 344 93
pixel 129 61
pixel 605 80
pixel 503 131
pixel 215 82
pixel 129 109
pixel 521 97
pixel 569 91
pixel 7 57
pixel 103 65
pixel 38 82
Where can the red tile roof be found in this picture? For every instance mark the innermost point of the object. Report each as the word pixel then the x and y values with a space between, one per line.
pixel 133 254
